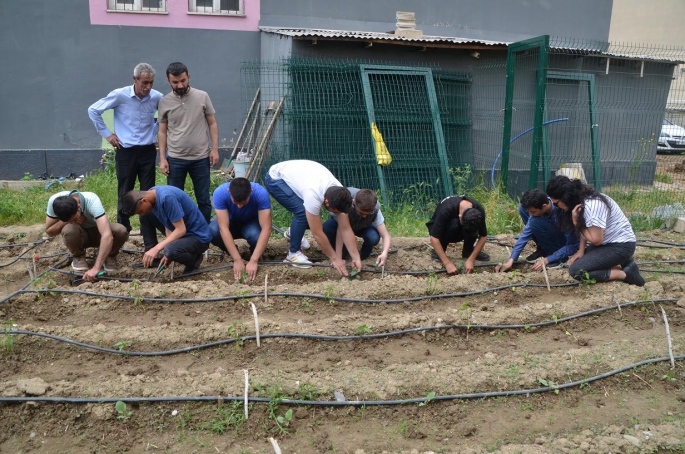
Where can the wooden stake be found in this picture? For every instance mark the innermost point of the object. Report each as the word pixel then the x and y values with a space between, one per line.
pixel 544 270
pixel 247 118
pixel 668 336
pixel 247 386
pixel 266 136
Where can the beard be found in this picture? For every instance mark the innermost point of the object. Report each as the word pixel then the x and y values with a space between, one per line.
pixel 182 92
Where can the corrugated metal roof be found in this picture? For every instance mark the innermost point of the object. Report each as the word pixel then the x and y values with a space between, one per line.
pixel 376 36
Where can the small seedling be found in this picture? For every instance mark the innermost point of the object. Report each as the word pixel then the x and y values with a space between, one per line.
pixel 243 277
pixel 236 330
pixel 123 413
pixel 429 398
pixel 549 384
pixel 7 341
pixel 122 346
pixel 670 376
pixel 362 329
pixel 329 293
pixel 354 274
pixel 431 280
pixel 585 279
pixel 283 421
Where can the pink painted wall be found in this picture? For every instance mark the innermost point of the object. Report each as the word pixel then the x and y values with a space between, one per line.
pixel 177 17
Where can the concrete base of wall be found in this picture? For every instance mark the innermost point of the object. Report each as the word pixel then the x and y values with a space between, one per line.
pixel 57 163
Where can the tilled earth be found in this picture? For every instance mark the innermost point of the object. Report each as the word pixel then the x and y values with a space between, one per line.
pixel 469 348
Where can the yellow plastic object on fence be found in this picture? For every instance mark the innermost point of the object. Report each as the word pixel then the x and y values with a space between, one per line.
pixel 382 154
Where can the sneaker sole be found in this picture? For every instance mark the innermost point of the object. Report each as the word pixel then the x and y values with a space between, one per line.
pixel 75 268
pixel 297 265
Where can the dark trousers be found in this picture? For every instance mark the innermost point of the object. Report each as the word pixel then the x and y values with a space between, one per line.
pixel 370 236
pixel 199 174
pixel 149 225
pixel 454 234
pixel 131 163
pixel 185 250
pixel 598 261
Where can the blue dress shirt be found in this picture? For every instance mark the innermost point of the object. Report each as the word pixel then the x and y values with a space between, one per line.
pixel 134 118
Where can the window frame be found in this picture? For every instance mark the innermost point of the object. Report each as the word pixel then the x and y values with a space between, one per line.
pixel 136 7
pixel 215 10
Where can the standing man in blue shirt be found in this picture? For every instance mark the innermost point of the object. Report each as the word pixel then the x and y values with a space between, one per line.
pixel 540 217
pixel 135 133
pixel 187 232
pixel 243 210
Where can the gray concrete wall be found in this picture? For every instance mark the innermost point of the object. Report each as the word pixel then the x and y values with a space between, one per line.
pixel 57 64
pixel 506 20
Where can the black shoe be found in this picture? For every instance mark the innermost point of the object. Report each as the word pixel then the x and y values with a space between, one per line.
pixel 195 266
pixel 155 264
pixel 483 257
pixel 434 257
pixel 532 258
pixel 557 265
pixel 633 276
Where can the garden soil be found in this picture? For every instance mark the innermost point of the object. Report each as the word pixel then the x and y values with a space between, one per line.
pixel 452 342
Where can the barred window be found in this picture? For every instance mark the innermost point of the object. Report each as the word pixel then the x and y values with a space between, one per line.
pixel 137 5
pixel 222 7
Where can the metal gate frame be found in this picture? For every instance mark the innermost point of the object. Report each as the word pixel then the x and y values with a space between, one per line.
pixel 367 70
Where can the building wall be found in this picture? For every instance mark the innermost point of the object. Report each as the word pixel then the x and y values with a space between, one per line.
pixel 652 22
pixel 54 70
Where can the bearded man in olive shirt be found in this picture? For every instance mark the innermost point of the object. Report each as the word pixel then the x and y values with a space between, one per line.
pixel 185 114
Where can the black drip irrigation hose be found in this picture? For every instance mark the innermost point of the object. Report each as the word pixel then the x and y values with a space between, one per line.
pixel 324 337
pixel 295 295
pixel 20 256
pixel 345 403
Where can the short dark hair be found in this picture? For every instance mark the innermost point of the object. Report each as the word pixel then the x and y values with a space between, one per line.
pixel 64 207
pixel 130 200
pixel 240 189
pixel 366 200
pixel 339 199
pixel 176 68
pixel 471 220
pixel 534 198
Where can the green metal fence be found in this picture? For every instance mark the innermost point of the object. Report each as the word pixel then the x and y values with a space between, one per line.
pixel 613 114
pixel 422 114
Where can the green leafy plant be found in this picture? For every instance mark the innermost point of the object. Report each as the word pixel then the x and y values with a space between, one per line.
pixel 243 277
pixel 330 293
pixel 228 416
pixel 431 282
pixel 354 274
pixel 585 279
pixel 122 346
pixel 27 176
pixel 362 329
pixel 7 341
pixel 122 412
pixel 670 376
pixel 429 398
pixel 549 384
pixel 283 421
pixel 237 331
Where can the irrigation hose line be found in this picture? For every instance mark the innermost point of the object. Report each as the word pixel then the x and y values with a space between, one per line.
pixel 346 403
pixel 285 294
pixel 20 256
pixel 324 337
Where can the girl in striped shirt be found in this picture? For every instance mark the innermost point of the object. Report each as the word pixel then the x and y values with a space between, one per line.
pixel 607 240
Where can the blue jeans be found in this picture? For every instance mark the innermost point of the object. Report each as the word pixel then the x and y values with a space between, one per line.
pixel 370 236
pixel 546 234
pixel 599 260
pixel 249 231
pixel 280 191
pixel 199 174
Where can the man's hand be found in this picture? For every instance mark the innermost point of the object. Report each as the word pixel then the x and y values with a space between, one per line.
pixel 150 256
pixel 339 264
pixel 357 264
pixel 164 167
pixel 114 141
pixel 380 260
pixel 451 268
pixel 238 267
pixel 469 266
pixel 252 270
pixel 213 158
pixel 506 266
pixel 537 266
pixel 91 275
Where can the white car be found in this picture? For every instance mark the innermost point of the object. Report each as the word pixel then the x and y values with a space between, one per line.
pixel 672 138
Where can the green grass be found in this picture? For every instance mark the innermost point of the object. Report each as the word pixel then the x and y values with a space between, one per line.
pixel 27 206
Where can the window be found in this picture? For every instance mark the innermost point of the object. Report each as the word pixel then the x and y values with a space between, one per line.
pixel 137 5
pixel 225 7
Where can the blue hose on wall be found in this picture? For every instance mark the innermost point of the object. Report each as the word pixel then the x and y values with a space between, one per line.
pixel 494 164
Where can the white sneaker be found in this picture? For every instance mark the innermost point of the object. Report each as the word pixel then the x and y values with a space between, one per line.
pixel 298 260
pixel 79 264
pixel 304 244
